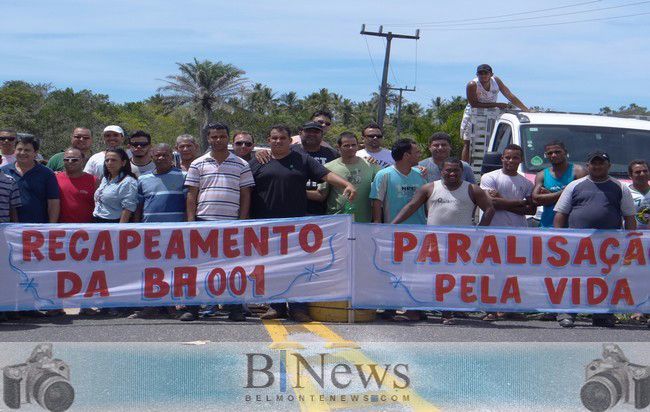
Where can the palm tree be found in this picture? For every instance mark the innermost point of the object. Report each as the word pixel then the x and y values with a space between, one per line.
pixel 261 99
pixel 290 101
pixel 205 86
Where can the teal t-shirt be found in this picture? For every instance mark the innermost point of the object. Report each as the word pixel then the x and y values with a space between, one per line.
pixel 395 190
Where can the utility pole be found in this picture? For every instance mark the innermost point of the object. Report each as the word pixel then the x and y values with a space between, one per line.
pixel 399 105
pixel 381 112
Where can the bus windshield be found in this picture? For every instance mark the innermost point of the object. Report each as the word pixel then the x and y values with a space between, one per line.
pixel 622 145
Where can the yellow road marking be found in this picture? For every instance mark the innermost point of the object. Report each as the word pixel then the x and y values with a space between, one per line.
pixel 279 334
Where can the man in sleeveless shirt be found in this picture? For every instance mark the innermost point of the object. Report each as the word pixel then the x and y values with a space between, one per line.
pixel 550 182
pixel 450 202
pixel 482 92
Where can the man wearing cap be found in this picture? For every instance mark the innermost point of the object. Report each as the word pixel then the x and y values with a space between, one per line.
pixel 311 136
pixel 322 117
pixel 596 201
pixel 113 138
pixel 482 92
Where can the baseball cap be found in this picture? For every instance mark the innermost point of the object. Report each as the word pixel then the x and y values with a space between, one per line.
pixel 113 128
pixel 312 125
pixel 598 153
pixel 484 68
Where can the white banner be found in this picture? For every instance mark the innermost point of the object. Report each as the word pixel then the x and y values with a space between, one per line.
pixel 108 265
pixel 501 269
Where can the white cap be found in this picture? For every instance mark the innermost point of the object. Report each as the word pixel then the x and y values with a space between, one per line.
pixel 113 128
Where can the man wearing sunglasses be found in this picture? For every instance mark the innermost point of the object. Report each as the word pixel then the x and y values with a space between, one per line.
pixel 141 162
pixel 482 92
pixel 76 189
pixel 322 117
pixel 8 147
pixel 243 143
pixel 550 182
pixel 373 137
pixel 82 139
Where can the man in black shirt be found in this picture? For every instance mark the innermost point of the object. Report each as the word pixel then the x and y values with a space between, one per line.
pixel 311 137
pixel 280 192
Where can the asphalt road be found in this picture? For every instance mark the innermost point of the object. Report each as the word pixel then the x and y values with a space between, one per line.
pixel 72 328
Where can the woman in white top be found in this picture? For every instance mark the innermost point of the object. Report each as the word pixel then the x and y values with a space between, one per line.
pixel 482 92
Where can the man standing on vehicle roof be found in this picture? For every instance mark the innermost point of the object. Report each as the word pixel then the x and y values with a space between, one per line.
pixel 482 92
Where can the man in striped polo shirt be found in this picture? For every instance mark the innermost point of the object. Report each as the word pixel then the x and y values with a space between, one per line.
pixel 220 185
pixel 9 204
pixel 9 198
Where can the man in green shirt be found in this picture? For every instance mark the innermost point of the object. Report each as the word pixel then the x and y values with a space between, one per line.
pixel 81 139
pixel 355 170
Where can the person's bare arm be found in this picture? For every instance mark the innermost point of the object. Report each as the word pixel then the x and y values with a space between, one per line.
pixel 377 208
pixel 421 195
pixel 316 196
pixel 192 196
pixel 245 194
pixel 13 215
pixel 541 195
pixel 263 156
pixel 137 216
pixel 53 210
pixel 510 96
pixel 472 98
pixel 349 190
pixel 125 216
pixel 579 172
pixel 629 222
pixel 560 220
pixel 483 201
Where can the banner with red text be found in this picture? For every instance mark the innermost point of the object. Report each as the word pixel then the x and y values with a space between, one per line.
pixel 111 265
pixel 501 269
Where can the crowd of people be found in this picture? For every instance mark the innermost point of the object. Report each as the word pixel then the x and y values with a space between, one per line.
pixel 133 180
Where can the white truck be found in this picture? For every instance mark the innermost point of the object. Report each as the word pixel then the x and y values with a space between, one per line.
pixel 624 139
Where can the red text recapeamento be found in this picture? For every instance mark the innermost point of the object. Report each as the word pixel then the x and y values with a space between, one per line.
pixel 58 245
pixel 603 252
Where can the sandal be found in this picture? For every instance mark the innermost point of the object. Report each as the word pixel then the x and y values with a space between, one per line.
pixel 638 318
pixel 490 317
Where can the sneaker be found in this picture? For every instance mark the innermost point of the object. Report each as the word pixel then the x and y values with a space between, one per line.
pixel 146 313
pixel 88 312
pixel 567 323
pixel 55 313
pixel 272 313
pixel 187 317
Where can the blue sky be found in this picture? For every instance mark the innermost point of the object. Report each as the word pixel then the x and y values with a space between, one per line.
pixel 123 48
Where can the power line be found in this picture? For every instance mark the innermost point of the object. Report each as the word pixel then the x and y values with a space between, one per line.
pixel 496 16
pixel 546 16
pixel 416 64
pixel 391 67
pixel 536 25
pixel 371 60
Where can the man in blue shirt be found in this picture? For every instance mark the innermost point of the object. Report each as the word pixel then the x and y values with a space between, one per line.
pixel 161 193
pixel 39 191
pixel 395 185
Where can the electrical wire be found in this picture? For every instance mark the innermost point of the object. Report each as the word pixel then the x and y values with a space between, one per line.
pixel 546 16
pixel 374 69
pixel 493 17
pixel 390 67
pixel 536 25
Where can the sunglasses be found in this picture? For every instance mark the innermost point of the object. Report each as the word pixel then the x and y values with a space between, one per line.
pixel 247 144
pixel 139 144
pixel 483 72
pixel 7 139
pixel 325 123
pixel 71 159
pixel 81 137
pixel 375 136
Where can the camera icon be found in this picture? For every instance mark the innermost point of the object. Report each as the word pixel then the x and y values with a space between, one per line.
pixel 42 379
pixel 612 378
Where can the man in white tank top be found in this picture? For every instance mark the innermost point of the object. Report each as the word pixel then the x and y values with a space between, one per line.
pixel 482 92
pixel 450 202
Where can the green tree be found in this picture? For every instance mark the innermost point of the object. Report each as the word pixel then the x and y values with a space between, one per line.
pixel 204 86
